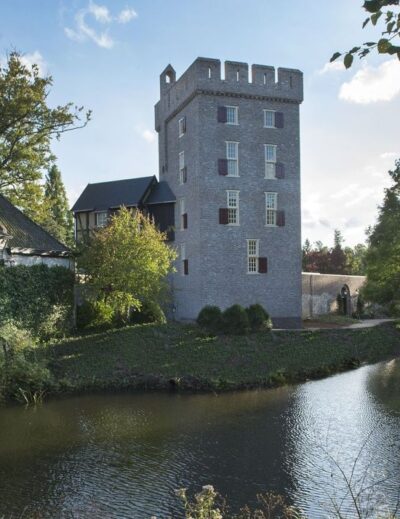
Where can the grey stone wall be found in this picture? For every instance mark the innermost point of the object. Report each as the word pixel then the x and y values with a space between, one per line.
pixel 217 253
pixel 319 292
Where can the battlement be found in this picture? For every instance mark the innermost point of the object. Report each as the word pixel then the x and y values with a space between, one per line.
pixel 205 74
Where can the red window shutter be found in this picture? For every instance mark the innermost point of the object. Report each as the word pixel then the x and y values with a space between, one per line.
pixel 223 216
pixel 262 265
pixel 223 167
pixel 279 170
pixel 222 116
pixel 280 218
pixel 185 220
pixel 186 267
pixel 184 174
pixel 278 119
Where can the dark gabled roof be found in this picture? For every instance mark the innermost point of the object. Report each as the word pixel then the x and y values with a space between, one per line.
pixel 116 193
pixel 160 194
pixel 25 234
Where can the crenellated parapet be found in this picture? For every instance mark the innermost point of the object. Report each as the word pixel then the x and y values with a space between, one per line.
pixel 238 79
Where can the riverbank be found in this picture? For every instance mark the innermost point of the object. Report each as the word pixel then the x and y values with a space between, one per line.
pixel 176 356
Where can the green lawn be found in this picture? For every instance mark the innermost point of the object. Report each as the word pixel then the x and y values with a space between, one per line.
pixel 151 355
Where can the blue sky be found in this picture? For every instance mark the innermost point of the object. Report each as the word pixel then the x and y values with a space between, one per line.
pixel 107 55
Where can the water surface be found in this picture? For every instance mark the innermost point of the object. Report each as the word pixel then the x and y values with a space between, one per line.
pixel 123 455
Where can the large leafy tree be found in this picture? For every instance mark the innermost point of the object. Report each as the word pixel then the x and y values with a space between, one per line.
pixel 383 257
pixel 334 260
pixel 126 263
pixel 57 218
pixel 389 40
pixel 27 126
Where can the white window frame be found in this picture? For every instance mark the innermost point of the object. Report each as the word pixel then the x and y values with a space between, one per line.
pixel 181 126
pixel 183 257
pixel 232 203
pixel 235 111
pixel 273 112
pixel 233 159
pixel 181 160
pixel 252 257
pixel 101 214
pixel 271 209
pixel 182 210
pixel 270 163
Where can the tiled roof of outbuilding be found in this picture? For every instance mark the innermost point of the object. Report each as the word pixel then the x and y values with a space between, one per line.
pixel 27 235
pixel 160 194
pixel 116 193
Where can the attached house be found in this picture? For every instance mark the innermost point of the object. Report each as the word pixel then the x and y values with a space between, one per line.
pixel 24 242
pixel 99 201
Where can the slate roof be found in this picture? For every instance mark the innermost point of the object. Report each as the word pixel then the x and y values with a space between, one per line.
pixel 106 195
pixel 160 194
pixel 27 236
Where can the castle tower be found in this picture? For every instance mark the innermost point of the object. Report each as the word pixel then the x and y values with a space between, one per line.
pixel 230 151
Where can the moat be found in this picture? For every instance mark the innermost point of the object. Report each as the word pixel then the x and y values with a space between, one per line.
pixel 123 455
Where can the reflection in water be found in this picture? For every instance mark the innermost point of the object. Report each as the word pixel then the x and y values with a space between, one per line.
pixel 119 456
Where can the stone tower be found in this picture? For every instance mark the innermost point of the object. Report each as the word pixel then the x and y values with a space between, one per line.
pixel 230 150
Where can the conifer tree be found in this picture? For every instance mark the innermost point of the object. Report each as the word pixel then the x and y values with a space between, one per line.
pixel 57 218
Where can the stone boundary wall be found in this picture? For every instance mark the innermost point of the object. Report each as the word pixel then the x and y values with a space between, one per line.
pixel 319 292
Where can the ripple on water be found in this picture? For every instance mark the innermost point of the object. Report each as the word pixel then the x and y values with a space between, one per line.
pixel 122 456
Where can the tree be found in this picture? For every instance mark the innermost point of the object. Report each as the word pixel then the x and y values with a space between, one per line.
pixel 389 36
pixel 337 255
pixel 126 263
pixel 57 218
pixel 383 256
pixel 27 125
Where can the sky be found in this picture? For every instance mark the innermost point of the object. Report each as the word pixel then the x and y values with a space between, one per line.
pixel 107 56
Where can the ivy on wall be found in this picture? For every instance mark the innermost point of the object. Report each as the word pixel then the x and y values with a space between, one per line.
pixel 39 298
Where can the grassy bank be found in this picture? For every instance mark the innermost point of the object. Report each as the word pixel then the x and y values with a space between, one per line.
pixel 183 356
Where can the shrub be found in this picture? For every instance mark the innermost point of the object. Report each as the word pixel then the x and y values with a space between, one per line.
pixel 94 314
pixel 394 309
pixel 210 318
pixel 235 320
pixel 258 317
pixel 21 376
pixel 150 312
pixel 35 294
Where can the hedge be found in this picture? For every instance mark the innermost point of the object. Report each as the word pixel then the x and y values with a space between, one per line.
pixel 39 298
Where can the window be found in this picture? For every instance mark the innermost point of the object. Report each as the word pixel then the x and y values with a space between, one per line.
pixel 101 219
pixel 232 115
pixel 271 206
pixel 233 207
pixel 270 160
pixel 232 153
pixel 182 126
pixel 184 261
pixel 182 210
pixel 269 118
pixel 252 256
pixel 182 169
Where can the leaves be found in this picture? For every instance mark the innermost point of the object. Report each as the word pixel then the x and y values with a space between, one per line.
pixel 127 262
pixel 384 45
pixel 348 60
pixel 27 126
pixel 375 17
pixel 335 56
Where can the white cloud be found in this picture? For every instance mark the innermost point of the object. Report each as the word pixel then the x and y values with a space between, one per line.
pixel 362 194
pixel 126 15
pixel 83 31
pixel 345 192
pixel 390 155
pixel 373 84
pixel 149 136
pixel 100 12
pixel 335 66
